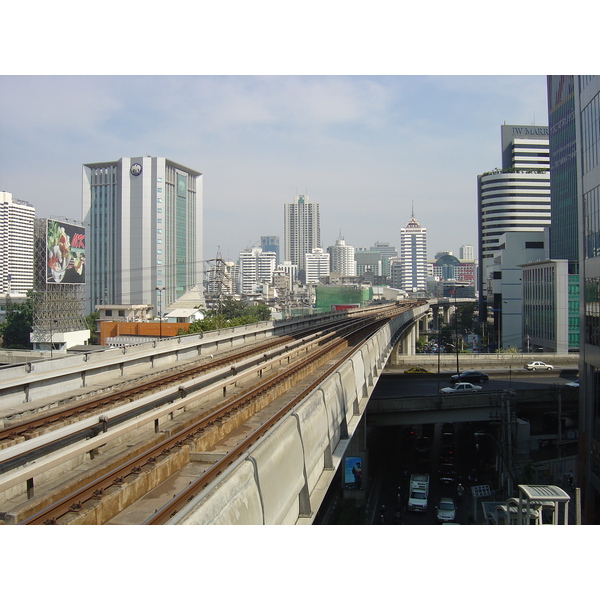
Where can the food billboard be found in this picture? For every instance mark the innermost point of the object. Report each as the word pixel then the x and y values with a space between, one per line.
pixel 65 252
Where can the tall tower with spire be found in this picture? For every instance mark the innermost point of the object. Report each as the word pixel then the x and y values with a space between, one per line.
pixel 413 254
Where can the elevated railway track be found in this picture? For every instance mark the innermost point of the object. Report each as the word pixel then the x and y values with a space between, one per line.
pixel 89 462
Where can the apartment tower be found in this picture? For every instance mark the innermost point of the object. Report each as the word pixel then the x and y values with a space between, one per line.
pixel 301 232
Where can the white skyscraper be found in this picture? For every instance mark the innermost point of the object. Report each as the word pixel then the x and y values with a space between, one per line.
pixel 317 265
pixel 466 253
pixel 341 257
pixel 16 245
pixel 256 267
pixel 413 252
pixel 145 231
pixel 301 231
pixel 516 197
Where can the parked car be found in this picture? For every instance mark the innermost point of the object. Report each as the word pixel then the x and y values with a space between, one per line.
pixel 446 510
pixel 416 370
pixel 538 365
pixel 461 388
pixel 573 384
pixel 470 376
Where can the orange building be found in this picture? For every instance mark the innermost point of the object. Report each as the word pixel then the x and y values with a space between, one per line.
pixel 110 329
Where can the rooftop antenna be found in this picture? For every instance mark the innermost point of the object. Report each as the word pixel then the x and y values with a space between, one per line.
pixel 413 209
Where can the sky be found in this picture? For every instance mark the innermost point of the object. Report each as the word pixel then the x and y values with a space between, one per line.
pixel 371 113
pixel 368 149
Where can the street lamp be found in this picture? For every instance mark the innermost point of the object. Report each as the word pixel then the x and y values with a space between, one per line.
pixel 160 290
pixel 453 293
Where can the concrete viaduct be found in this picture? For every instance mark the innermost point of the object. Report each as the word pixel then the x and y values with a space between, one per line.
pixel 285 477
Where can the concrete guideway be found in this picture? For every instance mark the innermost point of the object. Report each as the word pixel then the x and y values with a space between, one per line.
pixel 326 429
pixel 285 478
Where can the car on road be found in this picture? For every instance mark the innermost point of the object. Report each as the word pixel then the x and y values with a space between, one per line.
pixel 422 444
pixel 461 388
pixel 447 473
pixel 416 370
pixel 446 510
pixel 470 376
pixel 538 365
pixel 573 384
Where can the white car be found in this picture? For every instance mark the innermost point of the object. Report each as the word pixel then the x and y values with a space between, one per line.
pixel 538 365
pixel 446 510
pixel 461 388
pixel 573 384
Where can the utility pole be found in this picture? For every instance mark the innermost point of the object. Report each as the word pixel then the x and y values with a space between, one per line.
pixel 160 290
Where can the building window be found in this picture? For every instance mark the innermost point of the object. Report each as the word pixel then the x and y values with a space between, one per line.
pixel 121 313
pixel 108 313
pixel 534 244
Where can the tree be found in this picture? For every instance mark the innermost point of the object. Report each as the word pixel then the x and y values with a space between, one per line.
pixel 90 321
pixel 18 324
pixel 231 313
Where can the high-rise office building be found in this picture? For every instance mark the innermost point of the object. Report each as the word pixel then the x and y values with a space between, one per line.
pixel 367 261
pixel 587 135
pixel 466 253
pixel 388 252
pixel 317 265
pixel 301 232
pixel 514 198
pixel 270 243
pixel 342 258
pixel 256 267
pixel 563 167
pixel 551 287
pixel 413 253
pixel 17 219
pixel 145 231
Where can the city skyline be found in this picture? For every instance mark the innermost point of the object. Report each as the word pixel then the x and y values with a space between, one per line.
pixel 365 148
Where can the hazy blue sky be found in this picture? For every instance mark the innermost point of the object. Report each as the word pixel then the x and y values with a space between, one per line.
pixel 366 148
pixel 288 99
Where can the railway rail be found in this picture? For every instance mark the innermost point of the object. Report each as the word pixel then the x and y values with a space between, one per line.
pixel 200 378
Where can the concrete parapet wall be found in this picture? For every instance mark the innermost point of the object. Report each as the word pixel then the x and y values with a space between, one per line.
pixel 480 362
pixel 71 373
pixel 290 470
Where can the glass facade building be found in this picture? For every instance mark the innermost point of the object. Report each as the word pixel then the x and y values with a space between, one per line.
pixel 144 232
pixel 587 133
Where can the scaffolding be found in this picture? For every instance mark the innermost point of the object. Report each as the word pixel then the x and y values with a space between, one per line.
pixel 58 306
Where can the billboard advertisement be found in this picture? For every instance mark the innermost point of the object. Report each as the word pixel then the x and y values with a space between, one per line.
pixel 335 307
pixel 65 252
pixel 353 472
